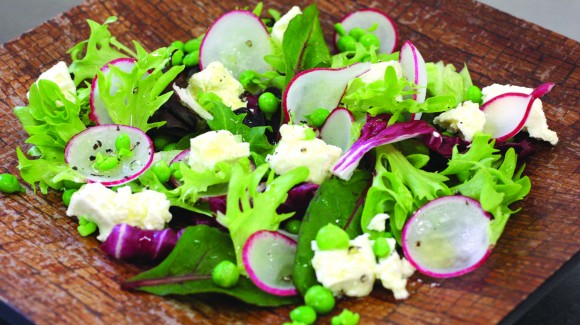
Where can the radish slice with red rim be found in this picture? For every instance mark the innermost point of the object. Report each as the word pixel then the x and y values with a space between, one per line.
pixel 239 40
pixel 337 129
pixel 366 18
pixel 447 237
pixel 81 152
pixel 99 113
pixel 268 257
pixel 506 114
pixel 415 70
pixel 318 88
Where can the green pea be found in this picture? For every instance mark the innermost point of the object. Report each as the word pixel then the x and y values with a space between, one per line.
pixel 71 185
pixel 193 45
pixel 170 146
pixel 86 227
pixel 177 58
pixel 381 247
pixel 247 78
pixel 474 94
pixel 346 43
pixel 268 103
pixel 105 163
pixel 124 153
pixel 319 298
pixel 339 29
pixel 123 141
pixel 161 141
pixel 225 274
pixel 347 317
pixel 162 170
pixel 357 33
pixel 293 226
pixel 178 45
pixel 309 134
pixel 191 59
pixel 303 314
pixel 318 117
pixel 9 184
pixel 66 196
pixel 369 40
pixel 332 237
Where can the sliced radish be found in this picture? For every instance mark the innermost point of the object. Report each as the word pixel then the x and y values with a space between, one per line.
pixel 318 88
pixel 269 259
pixel 366 18
pixel 183 156
pixel 337 129
pixel 415 70
pixel 99 113
pixel 239 40
pixel 506 114
pixel 82 149
pixel 447 237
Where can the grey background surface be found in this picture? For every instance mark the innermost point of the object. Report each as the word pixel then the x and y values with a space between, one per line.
pixel 561 16
pixel 562 304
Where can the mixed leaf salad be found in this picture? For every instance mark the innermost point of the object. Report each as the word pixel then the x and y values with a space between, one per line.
pixel 258 162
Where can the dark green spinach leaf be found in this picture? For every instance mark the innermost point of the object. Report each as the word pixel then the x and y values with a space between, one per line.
pixel 187 270
pixel 338 202
pixel 304 45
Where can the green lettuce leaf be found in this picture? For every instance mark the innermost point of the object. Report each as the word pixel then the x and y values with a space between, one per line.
pixel 385 96
pixel 225 119
pixel 248 210
pixel 399 188
pixel 90 55
pixel 193 186
pixel 444 80
pixel 187 270
pixel 139 92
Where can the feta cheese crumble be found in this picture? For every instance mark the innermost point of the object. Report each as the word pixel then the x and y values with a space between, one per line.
pixel 281 25
pixel 394 271
pixel 214 147
pixel 466 118
pixel 106 208
pixel 536 125
pixel 215 78
pixel 378 222
pixel 349 271
pixel 377 71
pixel 353 271
pixel 295 150
pixel 59 75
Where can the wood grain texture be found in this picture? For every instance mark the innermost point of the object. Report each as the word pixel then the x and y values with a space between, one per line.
pixel 52 275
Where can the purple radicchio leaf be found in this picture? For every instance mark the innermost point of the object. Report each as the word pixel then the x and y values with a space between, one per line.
pixel 444 144
pixel 299 198
pixel 132 243
pixel 377 132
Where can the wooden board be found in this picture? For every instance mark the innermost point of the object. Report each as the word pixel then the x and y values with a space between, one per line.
pixel 53 276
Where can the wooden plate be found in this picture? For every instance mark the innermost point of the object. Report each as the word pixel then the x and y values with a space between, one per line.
pixel 52 275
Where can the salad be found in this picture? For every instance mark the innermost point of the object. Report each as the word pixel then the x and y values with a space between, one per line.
pixel 256 161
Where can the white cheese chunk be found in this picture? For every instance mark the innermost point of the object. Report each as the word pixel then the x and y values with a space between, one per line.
pixel 536 125
pixel 213 147
pixel 281 25
pixel 393 273
pixel 217 79
pixel 466 118
pixel 377 71
pixel 378 222
pixel 349 271
pixel 59 75
pixel 146 209
pixel 295 150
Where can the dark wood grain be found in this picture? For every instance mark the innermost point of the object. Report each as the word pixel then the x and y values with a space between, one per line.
pixel 52 275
